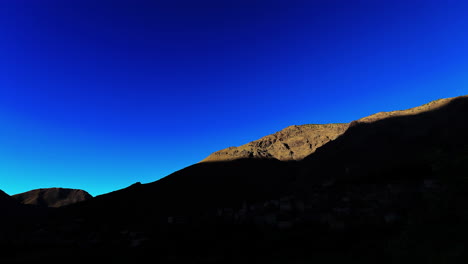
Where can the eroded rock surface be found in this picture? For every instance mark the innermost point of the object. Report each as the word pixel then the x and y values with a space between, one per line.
pixel 291 143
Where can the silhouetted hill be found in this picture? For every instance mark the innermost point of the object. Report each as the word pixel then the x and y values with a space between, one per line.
pixel 6 201
pixel 196 189
pixel 16 219
pixel 390 189
pixel 52 197
pixel 376 146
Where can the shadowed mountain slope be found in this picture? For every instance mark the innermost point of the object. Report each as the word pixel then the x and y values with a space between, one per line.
pixel 52 197
pixel 16 217
pixel 412 111
pixel 395 149
pixel 380 146
pixel 297 142
pixel 6 201
pixel 193 191
pixel 387 190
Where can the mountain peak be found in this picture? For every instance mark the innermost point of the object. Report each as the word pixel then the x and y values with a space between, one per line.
pixel 52 197
pixel 292 143
pixel 299 141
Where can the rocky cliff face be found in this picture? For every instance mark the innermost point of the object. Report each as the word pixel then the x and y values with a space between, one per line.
pixel 299 141
pixel 291 143
pixel 390 189
pixel 52 197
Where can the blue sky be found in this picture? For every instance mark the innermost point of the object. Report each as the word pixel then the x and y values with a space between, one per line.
pixel 98 95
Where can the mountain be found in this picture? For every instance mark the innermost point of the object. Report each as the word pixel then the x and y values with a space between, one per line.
pixel 291 143
pixel 299 141
pixel 52 197
pixel 389 189
pixel 408 112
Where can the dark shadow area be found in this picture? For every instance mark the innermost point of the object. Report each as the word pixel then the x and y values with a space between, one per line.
pixel 396 146
pixel 391 191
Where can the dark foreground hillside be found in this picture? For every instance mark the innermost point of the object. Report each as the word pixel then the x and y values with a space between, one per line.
pixel 389 190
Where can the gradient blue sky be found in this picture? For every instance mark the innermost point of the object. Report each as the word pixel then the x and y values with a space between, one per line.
pixel 98 95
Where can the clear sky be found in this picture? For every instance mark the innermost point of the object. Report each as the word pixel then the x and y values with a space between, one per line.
pixel 98 95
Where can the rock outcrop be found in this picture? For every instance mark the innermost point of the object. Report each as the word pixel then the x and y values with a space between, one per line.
pixel 299 141
pixel 291 143
pixel 52 197
pixel 389 188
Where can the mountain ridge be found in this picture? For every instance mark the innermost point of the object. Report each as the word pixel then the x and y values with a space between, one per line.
pixel 433 105
pixel 291 143
pixel 52 197
pixel 296 142
pixel 384 185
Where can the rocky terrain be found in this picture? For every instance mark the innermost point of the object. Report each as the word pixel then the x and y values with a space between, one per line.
pixel 431 106
pixel 299 141
pixel 291 143
pixel 389 189
pixel 52 197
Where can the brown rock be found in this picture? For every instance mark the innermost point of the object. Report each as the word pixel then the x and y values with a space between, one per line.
pixel 297 142
pixel 291 143
pixel 52 197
